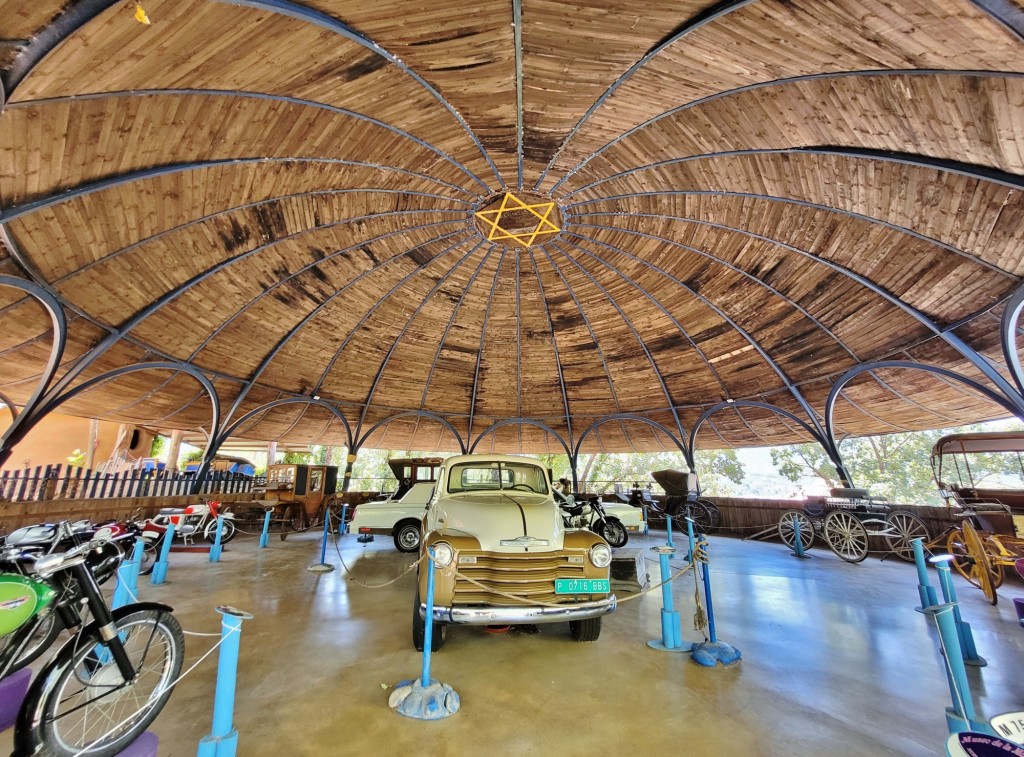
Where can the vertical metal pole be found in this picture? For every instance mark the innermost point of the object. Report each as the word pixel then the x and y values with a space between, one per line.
pixel 133 575
pixel 668 530
pixel 707 600
pixel 223 738
pixel 160 569
pixel 265 533
pixel 798 542
pixel 323 546
pixel 125 589
pixel 342 527
pixel 924 587
pixel 428 621
pixel 963 630
pixel 690 539
pixel 215 550
pixel 961 716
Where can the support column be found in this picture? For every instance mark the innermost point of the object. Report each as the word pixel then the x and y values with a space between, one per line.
pixel 92 443
pixel 347 480
pixel 175 450
pixel 573 460
pixel 271 453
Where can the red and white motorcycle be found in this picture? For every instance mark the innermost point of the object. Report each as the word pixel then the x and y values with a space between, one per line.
pixel 189 522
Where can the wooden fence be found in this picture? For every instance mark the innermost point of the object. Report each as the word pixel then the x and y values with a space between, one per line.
pixel 57 482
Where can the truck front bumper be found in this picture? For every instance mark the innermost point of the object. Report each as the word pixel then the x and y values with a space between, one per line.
pixel 489 616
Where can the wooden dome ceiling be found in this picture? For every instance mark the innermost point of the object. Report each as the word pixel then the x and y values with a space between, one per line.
pixel 752 197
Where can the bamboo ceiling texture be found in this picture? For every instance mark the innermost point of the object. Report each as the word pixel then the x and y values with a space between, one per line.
pixel 711 202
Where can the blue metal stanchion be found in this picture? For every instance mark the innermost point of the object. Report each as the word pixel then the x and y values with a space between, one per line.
pixel 668 531
pixel 798 541
pixel 671 629
pixel 714 652
pixel 647 525
pixel 265 533
pixel 323 566
pixel 216 549
pixel 342 526
pixel 425 698
pixel 223 738
pixel 159 574
pixel 961 716
pixel 963 629
pixel 924 587
pixel 128 578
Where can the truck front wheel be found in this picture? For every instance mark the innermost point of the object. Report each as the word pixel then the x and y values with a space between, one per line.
pixel 588 629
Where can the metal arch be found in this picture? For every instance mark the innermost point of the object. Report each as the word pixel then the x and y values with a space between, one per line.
pixel 946 335
pixel 58 322
pixel 269 357
pixel 706 16
pixel 687 453
pixel 1006 13
pixel 405 328
pixel 1015 406
pixel 554 347
pixel 780 82
pixel 417 414
pixel 785 200
pixel 1008 336
pixel 234 426
pixel 586 321
pixel 256 96
pixel 402 282
pixel 797 395
pixel 112 182
pixel 752 403
pixel 636 334
pixel 116 334
pixel 483 339
pixel 314 264
pixel 324 21
pixel 451 322
pixel 11 407
pixel 520 422
pixel 187 368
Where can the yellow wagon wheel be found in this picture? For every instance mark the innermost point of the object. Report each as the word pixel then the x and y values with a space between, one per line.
pixel 973 562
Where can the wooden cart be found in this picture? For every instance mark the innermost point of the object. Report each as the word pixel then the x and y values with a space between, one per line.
pixel 297 495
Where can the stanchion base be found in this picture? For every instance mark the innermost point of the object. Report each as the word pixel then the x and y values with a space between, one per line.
pixel 659 645
pixel 364 538
pixel 215 553
pixel 712 653
pixel 978 662
pixel 218 746
pixel 435 702
pixel 159 574
pixel 803 556
pixel 320 567
pixel 957 723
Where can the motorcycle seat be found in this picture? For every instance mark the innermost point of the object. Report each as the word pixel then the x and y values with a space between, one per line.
pixel 171 511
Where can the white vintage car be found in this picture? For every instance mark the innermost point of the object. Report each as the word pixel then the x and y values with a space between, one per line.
pixel 400 516
pixel 504 555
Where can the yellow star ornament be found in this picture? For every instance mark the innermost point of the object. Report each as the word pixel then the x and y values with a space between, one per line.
pixel 512 211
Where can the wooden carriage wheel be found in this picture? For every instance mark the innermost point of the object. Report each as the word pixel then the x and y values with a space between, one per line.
pixel 973 562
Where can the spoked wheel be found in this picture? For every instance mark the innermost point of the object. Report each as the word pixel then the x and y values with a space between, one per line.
pixel 701 516
pixel 613 532
pixel 787 531
pixel 227 534
pixel 714 512
pixel 904 527
pixel 80 704
pixel 972 561
pixel 846 536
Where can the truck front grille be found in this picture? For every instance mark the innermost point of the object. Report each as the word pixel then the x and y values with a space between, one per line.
pixel 529 576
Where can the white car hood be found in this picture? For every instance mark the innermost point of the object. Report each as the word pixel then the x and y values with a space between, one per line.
pixel 494 518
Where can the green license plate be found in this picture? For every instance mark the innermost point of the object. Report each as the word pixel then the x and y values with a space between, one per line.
pixel 582 586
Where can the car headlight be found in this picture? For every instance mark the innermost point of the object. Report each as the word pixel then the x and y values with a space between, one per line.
pixel 443 554
pixel 601 555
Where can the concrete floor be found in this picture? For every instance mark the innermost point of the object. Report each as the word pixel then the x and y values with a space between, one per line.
pixel 835 660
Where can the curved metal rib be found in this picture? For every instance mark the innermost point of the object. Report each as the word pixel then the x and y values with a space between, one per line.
pixel 257 96
pixel 1008 336
pixel 483 339
pixel 418 414
pixel 641 419
pixel 233 427
pixel 704 17
pixel 779 82
pixel 324 21
pixel 554 348
pixel 520 422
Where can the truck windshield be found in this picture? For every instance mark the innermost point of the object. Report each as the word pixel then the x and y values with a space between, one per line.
pixel 497 476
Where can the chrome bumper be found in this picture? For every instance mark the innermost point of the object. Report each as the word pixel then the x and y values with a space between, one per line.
pixel 488 616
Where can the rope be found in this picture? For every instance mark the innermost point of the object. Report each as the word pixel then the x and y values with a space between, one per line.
pixel 348 570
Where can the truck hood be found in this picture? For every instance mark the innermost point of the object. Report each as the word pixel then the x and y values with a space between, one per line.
pixel 524 525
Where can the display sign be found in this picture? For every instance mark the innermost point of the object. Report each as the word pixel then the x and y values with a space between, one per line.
pixel 1009 726
pixel 584 586
pixel 970 744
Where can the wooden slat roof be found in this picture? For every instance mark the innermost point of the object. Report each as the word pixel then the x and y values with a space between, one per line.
pixel 755 197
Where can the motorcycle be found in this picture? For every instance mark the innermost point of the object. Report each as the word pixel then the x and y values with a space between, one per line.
pixel 188 522
pixel 592 516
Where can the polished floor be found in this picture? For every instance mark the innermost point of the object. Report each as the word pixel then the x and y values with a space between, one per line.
pixel 835 661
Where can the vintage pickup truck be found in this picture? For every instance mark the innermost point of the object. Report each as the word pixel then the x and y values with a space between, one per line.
pixel 504 555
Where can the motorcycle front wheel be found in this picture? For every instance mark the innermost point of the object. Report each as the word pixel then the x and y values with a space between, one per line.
pixel 614 533
pixel 210 532
pixel 80 703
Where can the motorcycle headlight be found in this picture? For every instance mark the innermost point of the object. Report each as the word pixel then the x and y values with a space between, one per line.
pixel 443 554
pixel 601 555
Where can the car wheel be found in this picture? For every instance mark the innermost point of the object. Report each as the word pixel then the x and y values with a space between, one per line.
pixel 419 628
pixel 407 536
pixel 588 629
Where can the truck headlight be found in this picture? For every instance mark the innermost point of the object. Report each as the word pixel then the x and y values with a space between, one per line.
pixel 601 555
pixel 444 554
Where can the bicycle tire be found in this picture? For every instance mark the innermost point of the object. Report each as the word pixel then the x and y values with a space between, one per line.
pixel 56 722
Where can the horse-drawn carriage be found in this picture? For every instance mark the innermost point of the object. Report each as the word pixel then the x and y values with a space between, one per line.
pixel 296 495
pixel 982 474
